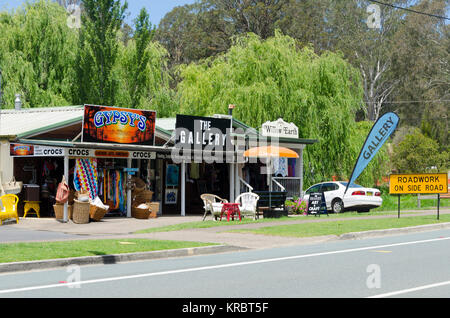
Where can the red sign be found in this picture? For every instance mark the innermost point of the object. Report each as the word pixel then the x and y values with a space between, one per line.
pixel 107 124
pixel 21 150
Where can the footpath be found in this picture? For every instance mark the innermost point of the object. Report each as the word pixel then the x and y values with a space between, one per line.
pixel 48 229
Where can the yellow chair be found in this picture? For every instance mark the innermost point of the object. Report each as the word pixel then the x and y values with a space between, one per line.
pixel 9 209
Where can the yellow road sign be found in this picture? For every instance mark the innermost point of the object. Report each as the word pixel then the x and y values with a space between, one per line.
pixel 418 183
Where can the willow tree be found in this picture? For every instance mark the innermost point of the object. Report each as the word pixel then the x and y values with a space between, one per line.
pixel 37 54
pixel 272 79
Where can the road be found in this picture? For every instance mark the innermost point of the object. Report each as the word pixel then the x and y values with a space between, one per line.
pixel 413 265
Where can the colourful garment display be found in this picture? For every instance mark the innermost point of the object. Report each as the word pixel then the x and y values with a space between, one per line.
pixel 85 176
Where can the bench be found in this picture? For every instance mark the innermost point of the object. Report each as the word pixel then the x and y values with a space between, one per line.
pixel 272 203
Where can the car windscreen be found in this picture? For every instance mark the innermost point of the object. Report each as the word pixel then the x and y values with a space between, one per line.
pixel 352 185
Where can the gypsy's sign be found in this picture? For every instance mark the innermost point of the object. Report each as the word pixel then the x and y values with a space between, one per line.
pixel 431 183
pixel 106 124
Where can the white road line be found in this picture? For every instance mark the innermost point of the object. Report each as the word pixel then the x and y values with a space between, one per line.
pixel 196 269
pixel 410 290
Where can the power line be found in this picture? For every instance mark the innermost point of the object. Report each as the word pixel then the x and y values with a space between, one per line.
pixel 410 10
pixel 413 101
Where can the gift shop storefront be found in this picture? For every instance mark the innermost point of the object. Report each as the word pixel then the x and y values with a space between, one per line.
pixel 126 157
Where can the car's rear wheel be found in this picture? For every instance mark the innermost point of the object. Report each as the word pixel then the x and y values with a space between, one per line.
pixel 337 206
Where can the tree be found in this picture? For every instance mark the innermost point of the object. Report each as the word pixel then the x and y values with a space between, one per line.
pixel 421 59
pixel 37 55
pixel 275 79
pixel 418 153
pixel 140 57
pixel 98 48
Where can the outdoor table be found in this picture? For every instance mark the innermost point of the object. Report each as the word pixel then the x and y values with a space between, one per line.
pixel 230 209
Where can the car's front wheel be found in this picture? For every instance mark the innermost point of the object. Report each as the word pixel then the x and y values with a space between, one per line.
pixel 337 206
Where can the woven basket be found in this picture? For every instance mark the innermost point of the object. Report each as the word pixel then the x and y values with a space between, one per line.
pixel 81 212
pixel 139 185
pixel 154 209
pixel 96 213
pixel 138 213
pixel 59 211
pixel 142 197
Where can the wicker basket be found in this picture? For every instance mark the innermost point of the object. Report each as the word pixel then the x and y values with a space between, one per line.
pixel 154 209
pixel 138 213
pixel 81 212
pixel 142 197
pixel 96 213
pixel 59 211
pixel 139 185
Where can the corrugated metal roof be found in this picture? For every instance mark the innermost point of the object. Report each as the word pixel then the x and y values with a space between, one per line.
pixel 25 122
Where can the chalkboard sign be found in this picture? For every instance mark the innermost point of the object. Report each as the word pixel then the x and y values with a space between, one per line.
pixel 316 203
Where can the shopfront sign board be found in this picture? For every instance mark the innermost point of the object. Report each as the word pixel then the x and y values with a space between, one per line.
pixel 23 150
pixel 422 183
pixel 202 134
pixel 279 128
pixel 106 124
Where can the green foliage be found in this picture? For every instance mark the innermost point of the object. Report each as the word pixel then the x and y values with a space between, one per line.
pixel 37 55
pixel 51 64
pixel 98 50
pixel 418 153
pixel 274 79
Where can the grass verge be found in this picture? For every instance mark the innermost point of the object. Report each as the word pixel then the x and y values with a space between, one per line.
pixel 211 223
pixel 208 224
pixel 20 252
pixel 409 202
pixel 344 226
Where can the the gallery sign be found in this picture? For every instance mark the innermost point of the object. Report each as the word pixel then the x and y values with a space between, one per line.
pixel 105 124
pixel 202 139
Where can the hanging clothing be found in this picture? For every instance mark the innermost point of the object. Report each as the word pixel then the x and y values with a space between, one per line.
pixel 291 166
pixel 85 177
pixel 280 167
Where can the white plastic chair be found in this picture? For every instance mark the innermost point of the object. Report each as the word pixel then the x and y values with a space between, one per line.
pixel 212 204
pixel 248 203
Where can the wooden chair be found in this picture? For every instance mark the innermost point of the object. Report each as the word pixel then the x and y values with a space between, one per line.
pixel 9 207
pixel 248 203
pixel 212 204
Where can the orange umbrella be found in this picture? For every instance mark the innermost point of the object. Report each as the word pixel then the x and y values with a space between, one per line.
pixel 270 152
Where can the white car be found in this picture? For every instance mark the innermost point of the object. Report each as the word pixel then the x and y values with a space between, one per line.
pixel 357 197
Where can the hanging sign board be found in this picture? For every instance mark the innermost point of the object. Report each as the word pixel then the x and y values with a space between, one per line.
pixel 424 183
pixel 206 135
pixel 279 128
pixel 105 124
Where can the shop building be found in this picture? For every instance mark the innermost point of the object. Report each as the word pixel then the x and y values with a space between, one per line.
pixel 38 146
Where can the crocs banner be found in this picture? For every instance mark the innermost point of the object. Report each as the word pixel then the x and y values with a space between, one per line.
pixel 380 132
pixel 105 124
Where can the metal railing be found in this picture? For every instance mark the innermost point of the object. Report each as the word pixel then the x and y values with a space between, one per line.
pixel 293 185
pixel 279 185
pixel 246 185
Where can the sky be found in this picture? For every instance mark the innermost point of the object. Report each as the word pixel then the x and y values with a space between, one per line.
pixel 156 8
